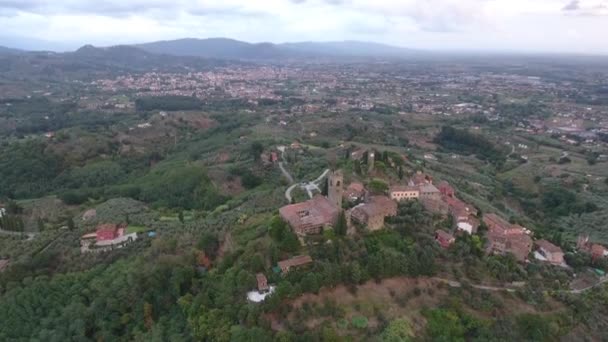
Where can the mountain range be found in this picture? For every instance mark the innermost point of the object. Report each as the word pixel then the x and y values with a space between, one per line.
pixel 224 48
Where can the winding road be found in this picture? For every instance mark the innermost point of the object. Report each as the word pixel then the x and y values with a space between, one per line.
pixel 309 187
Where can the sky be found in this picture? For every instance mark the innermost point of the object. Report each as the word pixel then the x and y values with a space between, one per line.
pixel 568 26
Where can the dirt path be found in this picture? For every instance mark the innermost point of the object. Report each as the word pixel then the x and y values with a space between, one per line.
pixel 30 236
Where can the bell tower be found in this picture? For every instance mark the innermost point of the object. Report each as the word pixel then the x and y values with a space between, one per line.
pixel 334 188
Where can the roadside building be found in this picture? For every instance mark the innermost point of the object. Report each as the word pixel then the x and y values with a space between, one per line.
pixel 550 252
pixel 597 251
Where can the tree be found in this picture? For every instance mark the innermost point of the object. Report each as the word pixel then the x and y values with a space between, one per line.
pixel 341 225
pixel 148 315
pixel 357 167
pixel 256 150
pixel 278 228
pixel 400 172
pixel 40 224
pixel 290 243
pixel 355 273
pixel 209 243
pixel 180 216
pixel 378 186
pixel 70 223
pixel 399 330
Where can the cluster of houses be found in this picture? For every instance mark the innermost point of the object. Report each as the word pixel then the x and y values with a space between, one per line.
pixel 370 211
pixel 312 216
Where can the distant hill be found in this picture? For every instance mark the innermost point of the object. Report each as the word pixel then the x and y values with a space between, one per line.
pixel 224 48
pixel 221 48
pixel 5 50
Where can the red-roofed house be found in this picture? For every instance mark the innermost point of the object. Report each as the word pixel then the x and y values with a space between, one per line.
pixel 109 231
pixel 262 282
pixel 446 189
pixel 597 251
pixel 504 237
pixel 297 261
pixel 551 252
pixel 354 192
pixel 444 238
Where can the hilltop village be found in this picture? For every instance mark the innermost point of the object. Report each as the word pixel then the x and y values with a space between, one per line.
pixel 342 207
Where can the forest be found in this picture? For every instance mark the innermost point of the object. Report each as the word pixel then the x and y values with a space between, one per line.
pixel 464 142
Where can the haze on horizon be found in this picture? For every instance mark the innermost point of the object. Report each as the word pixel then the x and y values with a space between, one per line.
pixel 565 26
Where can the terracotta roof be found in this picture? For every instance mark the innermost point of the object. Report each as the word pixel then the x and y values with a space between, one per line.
pixel 403 188
pixel 378 206
pixel 548 246
pixel 428 188
pixel 108 227
pixel 356 186
pixel 442 234
pixel 296 261
pixel 597 250
pixel 435 205
pixel 317 211
pixel 444 238
pixel 262 281
pixel 495 222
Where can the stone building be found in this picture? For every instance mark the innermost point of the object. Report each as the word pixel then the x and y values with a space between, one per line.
pixel 310 217
pixel 373 213
pixel 334 188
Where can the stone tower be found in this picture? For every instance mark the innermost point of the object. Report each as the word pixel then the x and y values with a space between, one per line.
pixel 334 188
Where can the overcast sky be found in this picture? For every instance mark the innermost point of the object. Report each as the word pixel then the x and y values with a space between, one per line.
pixel 575 26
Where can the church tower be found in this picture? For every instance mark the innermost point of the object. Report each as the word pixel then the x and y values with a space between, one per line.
pixel 334 188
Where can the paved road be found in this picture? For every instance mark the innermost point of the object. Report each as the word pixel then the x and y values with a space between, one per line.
pixel 309 187
pixel 285 173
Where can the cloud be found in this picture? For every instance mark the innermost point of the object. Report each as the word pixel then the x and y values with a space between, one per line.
pixel 587 8
pixel 415 23
pixel 572 6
